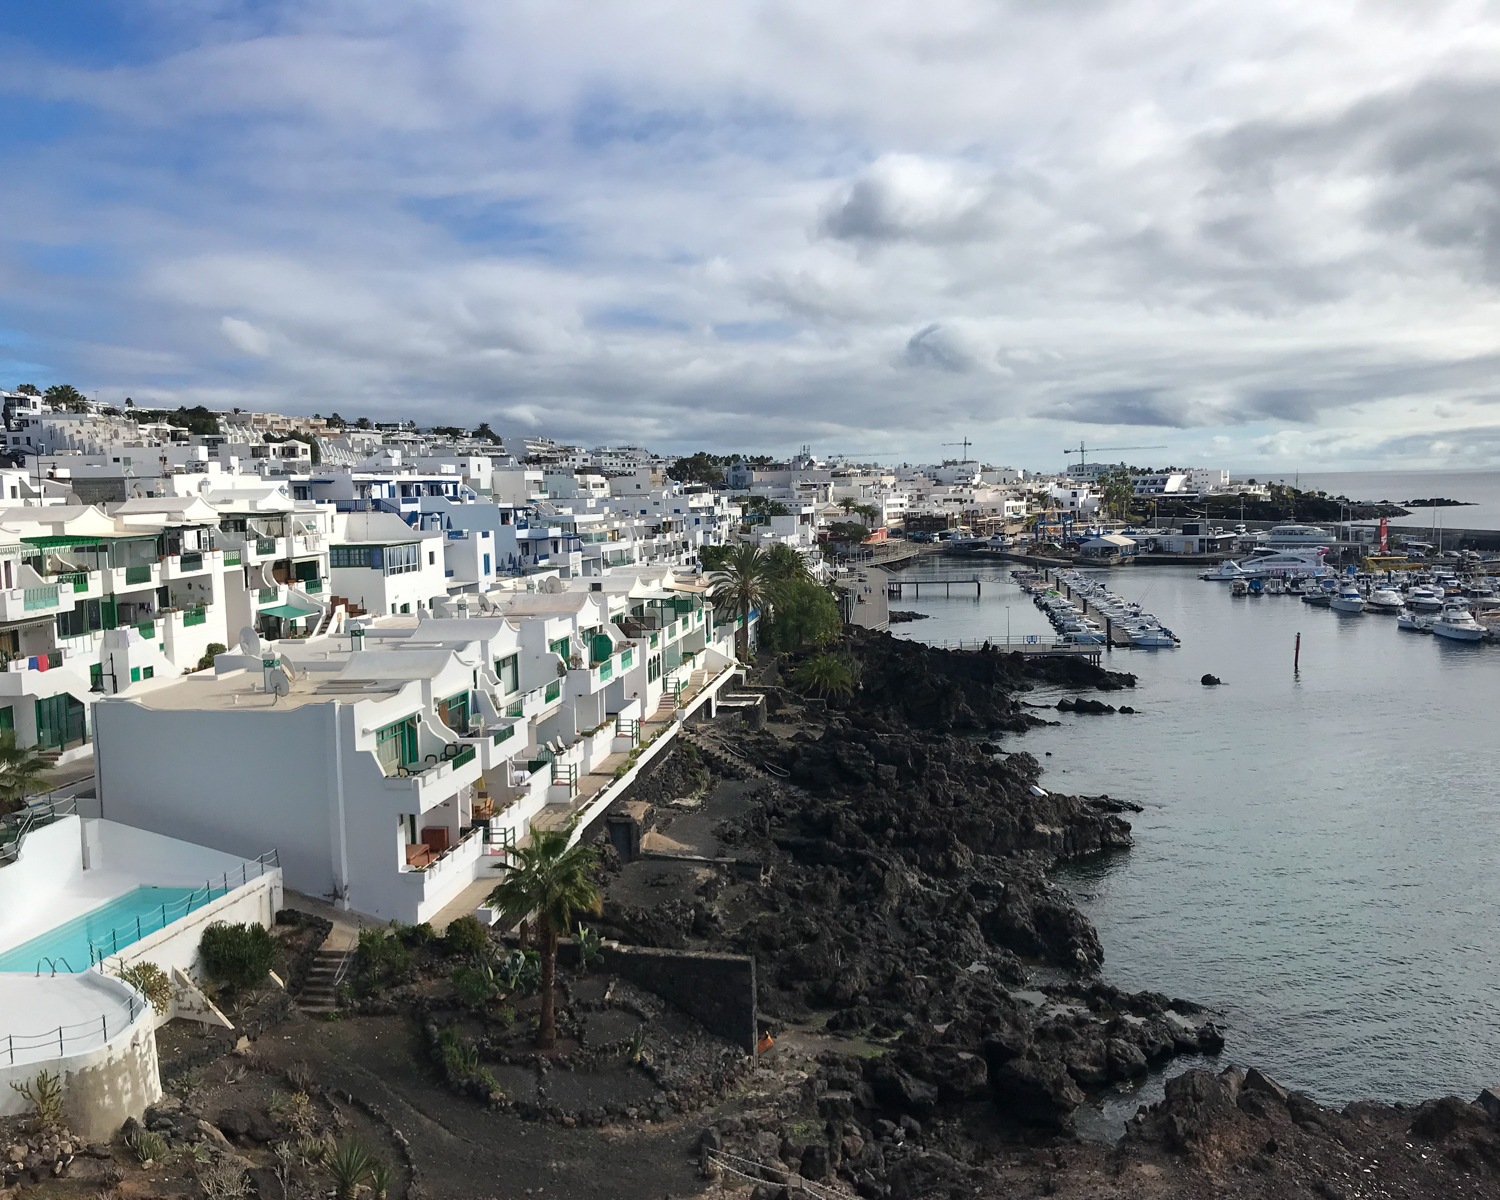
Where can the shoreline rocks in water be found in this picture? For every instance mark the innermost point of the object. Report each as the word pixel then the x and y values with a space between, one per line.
pixel 901 906
pixel 901 616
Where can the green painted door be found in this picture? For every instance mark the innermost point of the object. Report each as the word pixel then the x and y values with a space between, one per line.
pixel 60 723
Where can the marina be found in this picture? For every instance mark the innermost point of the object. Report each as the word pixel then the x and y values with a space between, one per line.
pixel 1314 860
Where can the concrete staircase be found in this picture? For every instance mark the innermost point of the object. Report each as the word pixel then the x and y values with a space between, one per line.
pixel 319 996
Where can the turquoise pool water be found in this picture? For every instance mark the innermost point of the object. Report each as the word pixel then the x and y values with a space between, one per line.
pixel 76 944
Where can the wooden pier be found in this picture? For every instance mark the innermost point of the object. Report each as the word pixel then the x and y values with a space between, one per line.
pixel 1032 645
pixel 894 589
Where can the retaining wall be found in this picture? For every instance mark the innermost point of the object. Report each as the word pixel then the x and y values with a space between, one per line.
pixel 716 990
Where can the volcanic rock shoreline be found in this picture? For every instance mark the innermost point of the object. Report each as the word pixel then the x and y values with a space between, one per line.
pixel 904 907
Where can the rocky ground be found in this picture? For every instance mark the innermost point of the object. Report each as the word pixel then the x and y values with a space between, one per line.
pixel 909 939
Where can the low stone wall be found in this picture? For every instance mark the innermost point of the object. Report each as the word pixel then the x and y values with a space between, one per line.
pixel 716 990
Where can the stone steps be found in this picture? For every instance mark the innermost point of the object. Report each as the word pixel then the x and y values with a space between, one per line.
pixel 319 992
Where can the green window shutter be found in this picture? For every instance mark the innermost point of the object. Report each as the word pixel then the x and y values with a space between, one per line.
pixel 7 719
pixel 135 674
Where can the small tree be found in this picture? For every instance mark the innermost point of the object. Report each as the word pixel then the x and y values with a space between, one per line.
pixel 831 676
pixel 553 881
pixel 66 396
pixel 20 769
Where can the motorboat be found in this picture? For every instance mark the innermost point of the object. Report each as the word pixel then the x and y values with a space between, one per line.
pixel 1152 637
pixel 1413 622
pixel 1226 572
pixel 1266 561
pixel 1318 597
pixel 1425 597
pixel 1347 600
pixel 1275 587
pixel 1457 623
pixel 1257 587
pixel 1239 588
pixel 1384 600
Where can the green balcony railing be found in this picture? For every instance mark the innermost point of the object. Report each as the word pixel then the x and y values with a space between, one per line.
pixel 311 586
pixel 267 595
pixel 78 579
pixel 147 629
pixel 231 558
pixel 465 755
pixel 265 545
pixel 606 671
pixel 137 575
pixel 514 710
pixel 39 597
pixel 195 616
pixel 501 735
pixel 192 561
pixel 627 659
pixel 554 690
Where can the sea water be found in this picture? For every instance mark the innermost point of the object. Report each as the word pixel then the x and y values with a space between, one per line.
pixel 1316 856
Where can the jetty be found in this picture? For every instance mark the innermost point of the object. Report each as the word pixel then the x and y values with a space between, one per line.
pixel 895 589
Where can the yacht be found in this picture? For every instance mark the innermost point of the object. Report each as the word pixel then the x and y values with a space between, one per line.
pixel 1413 622
pixel 1385 600
pixel 1226 572
pixel 1458 624
pixel 1282 536
pixel 1348 600
pixel 1266 561
pixel 1425 597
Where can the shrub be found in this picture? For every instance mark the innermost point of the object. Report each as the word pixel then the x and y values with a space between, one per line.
pixel 45 1094
pixel 207 661
pixel 148 1147
pixel 295 1113
pixel 151 981
pixel 414 937
pixel 350 1167
pixel 476 986
pixel 379 962
pixel 590 946
pixel 223 1179
pixel 238 955
pixel 466 937
pixel 380 1176
pixel 520 971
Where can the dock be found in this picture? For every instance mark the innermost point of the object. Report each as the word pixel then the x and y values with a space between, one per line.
pixel 895 589
pixel 1034 645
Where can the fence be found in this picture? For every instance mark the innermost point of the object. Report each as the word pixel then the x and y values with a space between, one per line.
pixel 15 827
pixel 79 1036
pixel 125 936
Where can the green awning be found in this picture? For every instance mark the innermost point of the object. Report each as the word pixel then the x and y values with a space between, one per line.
pixel 51 542
pixel 287 612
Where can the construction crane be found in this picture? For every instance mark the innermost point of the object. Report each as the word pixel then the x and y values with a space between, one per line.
pixel 1083 450
pixel 965 444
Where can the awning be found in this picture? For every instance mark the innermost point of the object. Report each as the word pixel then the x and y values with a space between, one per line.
pixel 287 612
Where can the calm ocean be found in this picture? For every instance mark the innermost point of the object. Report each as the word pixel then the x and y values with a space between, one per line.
pixel 1316 856
pixel 1478 488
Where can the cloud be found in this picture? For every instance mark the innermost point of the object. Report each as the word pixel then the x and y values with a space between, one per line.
pixel 246 337
pixel 750 225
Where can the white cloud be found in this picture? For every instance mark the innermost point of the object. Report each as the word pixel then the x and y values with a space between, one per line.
pixel 1260 229
pixel 246 337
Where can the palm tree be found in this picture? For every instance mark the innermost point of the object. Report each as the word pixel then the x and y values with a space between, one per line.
pixel 740 585
pixel 786 565
pixel 827 675
pixel 20 767
pixel 553 881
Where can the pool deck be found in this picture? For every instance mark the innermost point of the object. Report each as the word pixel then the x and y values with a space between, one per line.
pixel 46 1017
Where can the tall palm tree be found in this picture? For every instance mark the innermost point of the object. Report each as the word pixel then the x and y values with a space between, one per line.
pixel 784 564
pixel 553 881
pixel 741 584
pixel 20 768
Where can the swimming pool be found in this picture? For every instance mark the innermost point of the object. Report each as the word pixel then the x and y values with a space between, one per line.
pixel 75 945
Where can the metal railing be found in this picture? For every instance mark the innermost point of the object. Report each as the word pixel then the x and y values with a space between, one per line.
pixel 39 597
pixel 15 826
pixel 137 575
pixel 61 1036
pixel 110 943
pixel 265 545
pixel 231 558
pixel 195 616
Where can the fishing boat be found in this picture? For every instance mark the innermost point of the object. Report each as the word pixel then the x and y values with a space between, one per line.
pixel 1384 600
pixel 1413 622
pixel 1457 624
pixel 1239 588
pixel 1348 600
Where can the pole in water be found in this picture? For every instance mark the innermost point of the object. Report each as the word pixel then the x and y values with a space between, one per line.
pixel 1297 656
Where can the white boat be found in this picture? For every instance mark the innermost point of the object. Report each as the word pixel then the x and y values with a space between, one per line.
pixel 1425 598
pixel 1348 600
pixel 1385 600
pixel 1282 536
pixel 1413 622
pixel 1152 638
pixel 1226 572
pixel 1458 624
pixel 1275 587
pixel 1266 562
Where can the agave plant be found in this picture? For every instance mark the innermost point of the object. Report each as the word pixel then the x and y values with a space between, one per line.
pixel 349 1165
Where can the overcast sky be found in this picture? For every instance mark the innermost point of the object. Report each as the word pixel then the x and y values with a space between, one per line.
pixel 1261 235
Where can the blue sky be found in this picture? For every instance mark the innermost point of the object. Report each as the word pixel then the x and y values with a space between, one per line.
pixel 1266 236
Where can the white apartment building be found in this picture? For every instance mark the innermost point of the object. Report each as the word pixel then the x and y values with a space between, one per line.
pixel 384 566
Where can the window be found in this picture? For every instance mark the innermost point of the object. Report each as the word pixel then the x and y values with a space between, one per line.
pixel 135 674
pixel 96 678
pixel 432 558
pixel 508 671
pixel 148 672
pixel 351 556
pixel 396 745
pixel 561 647
pixel 653 668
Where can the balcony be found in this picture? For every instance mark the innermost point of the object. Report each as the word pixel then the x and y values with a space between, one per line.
pixel 535 701
pixel 19 604
pixel 194 616
pixel 125 579
pixel 231 558
pixel 190 562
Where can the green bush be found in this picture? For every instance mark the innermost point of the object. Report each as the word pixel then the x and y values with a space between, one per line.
pixel 414 937
pixel 475 986
pixel 466 937
pixel 238 955
pixel 207 661
pixel 380 961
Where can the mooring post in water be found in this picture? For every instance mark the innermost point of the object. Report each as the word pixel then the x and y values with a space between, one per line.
pixel 1297 655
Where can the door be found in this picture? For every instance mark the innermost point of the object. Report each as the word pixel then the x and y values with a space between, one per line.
pixel 60 723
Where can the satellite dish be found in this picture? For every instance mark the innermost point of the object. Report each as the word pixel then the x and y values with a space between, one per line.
pixel 287 669
pixel 553 585
pixel 277 683
pixel 250 642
